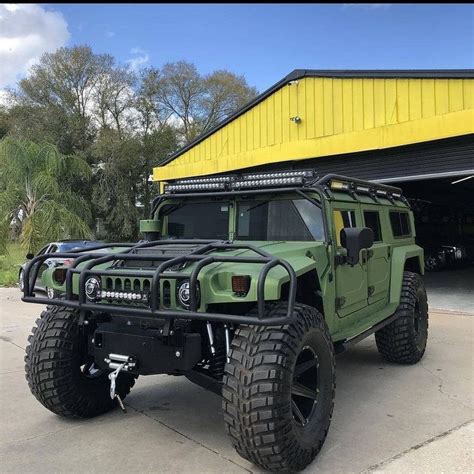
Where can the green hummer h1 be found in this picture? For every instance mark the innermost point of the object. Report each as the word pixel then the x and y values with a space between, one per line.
pixel 247 285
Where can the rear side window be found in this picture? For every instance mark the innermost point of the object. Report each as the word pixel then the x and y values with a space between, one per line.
pixel 400 224
pixel 372 221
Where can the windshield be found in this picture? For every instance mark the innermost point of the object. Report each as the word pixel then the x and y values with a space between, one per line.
pixel 283 219
pixel 198 220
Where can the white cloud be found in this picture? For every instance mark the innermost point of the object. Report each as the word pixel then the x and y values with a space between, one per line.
pixel 140 58
pixel 109 34
pixel 26 32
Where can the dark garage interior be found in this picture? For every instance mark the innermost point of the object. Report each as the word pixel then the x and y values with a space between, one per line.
pixel 444 215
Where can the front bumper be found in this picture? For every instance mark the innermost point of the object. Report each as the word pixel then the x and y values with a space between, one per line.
pixel 201 257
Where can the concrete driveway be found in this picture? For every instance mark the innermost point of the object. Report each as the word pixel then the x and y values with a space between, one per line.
pixel 387 418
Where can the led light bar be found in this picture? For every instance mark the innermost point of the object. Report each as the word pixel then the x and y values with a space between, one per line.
pixel 268 182
pixel 279 174
pixel 170 188
pixel 133 296
pixel 245 181
pixel 212 179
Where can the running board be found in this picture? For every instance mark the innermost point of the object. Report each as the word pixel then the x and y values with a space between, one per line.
pixel 342 346
pixel 205 381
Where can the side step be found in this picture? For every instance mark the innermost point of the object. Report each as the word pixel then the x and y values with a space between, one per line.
pixel 205 381
pixel 341 346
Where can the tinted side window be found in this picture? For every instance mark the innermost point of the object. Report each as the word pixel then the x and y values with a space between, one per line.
pixel 400 224
pixel 372 221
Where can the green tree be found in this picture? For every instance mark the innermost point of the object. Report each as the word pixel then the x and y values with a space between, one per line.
pixel 58 95
pixel 115 193
pixel 198 103
pixel 35 196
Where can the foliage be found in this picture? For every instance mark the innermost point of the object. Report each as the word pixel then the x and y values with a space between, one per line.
pixel 10 264
pixel 120 122
pixel 35 199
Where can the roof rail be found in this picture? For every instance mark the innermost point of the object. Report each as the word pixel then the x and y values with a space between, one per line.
pixel 354 186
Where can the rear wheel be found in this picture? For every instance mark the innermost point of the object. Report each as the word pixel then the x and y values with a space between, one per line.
pixel 278 390
pixel 59 372
pixel 404 340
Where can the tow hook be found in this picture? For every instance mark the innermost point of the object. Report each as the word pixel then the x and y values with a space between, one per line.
pixel 118 362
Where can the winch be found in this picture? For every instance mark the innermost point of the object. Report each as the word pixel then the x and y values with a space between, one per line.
pixel 118 362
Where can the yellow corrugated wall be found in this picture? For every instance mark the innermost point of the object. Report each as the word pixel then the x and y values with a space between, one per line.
pixel 336 116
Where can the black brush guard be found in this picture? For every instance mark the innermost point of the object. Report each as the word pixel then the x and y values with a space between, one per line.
pixel 199 256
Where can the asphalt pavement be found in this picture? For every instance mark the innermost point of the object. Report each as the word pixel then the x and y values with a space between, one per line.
pixel 387 418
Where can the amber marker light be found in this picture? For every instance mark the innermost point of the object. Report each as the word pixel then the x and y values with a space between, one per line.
pixel 241 284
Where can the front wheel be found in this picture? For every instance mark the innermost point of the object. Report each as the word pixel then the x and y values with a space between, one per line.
pixel 278 390
pixel 404 340
pixel 59 372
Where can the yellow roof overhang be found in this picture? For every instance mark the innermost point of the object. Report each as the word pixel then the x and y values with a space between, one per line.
pixel 334 116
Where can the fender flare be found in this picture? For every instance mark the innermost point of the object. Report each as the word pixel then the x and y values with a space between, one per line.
pixel 399 257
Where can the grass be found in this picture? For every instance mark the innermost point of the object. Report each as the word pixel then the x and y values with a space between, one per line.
pixel 9 265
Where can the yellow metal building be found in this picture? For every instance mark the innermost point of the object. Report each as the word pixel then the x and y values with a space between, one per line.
pixel 333 119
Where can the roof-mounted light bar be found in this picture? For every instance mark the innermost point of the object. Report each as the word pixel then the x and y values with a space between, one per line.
pixel 212 179
pixel 188 188
pixel 371 190
pixel 279 174
pixel 267 182
pixel 275 179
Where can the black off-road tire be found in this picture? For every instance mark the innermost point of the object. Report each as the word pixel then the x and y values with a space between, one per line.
pixel 259 390
pixel 404 340
pixel 54 365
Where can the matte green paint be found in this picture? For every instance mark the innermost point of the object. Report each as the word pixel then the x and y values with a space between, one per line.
pixel 383 271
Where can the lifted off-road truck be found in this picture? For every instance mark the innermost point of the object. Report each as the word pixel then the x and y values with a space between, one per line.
pixel 246 284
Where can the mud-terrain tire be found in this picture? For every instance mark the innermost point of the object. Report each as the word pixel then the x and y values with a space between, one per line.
pixel 56 363
pixel 404 340
pixel 261 386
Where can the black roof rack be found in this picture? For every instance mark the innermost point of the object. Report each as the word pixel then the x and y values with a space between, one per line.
pixel 280 180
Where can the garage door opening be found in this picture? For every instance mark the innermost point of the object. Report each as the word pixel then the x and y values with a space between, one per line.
pixel 444 216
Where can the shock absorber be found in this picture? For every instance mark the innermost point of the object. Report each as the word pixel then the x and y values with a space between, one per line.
pixel 210 335
pixel 227 342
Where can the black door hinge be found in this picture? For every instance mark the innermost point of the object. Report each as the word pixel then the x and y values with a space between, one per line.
pixel 371 290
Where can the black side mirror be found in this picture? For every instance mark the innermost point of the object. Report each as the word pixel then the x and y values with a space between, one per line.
pixel 29 256
pixel 354 239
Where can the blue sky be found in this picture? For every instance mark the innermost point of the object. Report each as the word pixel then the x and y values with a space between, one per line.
pixel 265 42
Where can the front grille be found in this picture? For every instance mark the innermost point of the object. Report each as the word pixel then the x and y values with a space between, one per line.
pixel 125 290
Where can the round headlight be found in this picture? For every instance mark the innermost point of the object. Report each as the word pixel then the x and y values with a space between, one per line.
pixel 184 294
pixel 92 288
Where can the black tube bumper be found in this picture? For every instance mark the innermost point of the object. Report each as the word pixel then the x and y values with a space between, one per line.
pixel 201 257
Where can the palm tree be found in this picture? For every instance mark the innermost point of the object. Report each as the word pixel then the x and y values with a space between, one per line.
pixel 36 194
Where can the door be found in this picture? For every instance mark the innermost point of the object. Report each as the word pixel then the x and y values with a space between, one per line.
pixel 44 265
pixel 351 281
pixel 378 265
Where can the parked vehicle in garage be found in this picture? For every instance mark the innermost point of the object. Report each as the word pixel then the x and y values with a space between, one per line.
pixel 248 285
pixel 51 248
pixel 439 257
